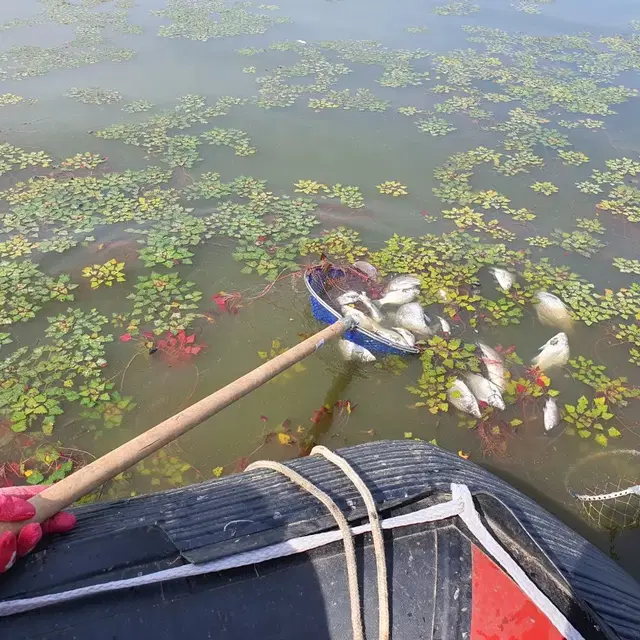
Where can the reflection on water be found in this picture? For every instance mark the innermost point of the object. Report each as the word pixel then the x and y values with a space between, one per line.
pixel 163 161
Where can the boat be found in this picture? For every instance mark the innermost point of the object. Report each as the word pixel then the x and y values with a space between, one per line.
pixel 254 555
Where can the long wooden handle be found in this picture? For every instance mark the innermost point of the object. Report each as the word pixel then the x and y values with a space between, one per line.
pixel 64 493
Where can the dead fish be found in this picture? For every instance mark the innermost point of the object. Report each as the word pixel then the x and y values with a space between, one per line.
pixel 552 311
pixel 390 334
pixel 504 278
pixel 371 308
pixel 446 327
pixel 368 269
pixel 398 297
pixel 362 319
pixel 485 390
pixel 462 399
pixel 348 297
pixel 443 295
pixel 551 414
pixel 494 364
pixel 554 353
pixel 354 352
pixel 407 336
pixel 403 282
pixel 411 316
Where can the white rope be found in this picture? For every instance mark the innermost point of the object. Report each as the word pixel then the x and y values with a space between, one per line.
pixel 471 518
pixel 376 534
pixel 291 547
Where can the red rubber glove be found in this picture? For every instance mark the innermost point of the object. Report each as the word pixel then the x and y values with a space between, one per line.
pixel 15 508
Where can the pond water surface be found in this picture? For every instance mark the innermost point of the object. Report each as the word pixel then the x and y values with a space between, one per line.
pixel 342 92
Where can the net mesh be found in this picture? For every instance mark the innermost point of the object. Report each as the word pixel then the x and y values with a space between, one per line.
pixel 319 281
pixel 606 487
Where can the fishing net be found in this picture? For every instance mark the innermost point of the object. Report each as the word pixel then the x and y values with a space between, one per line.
pixel 319 283
pixel 606 486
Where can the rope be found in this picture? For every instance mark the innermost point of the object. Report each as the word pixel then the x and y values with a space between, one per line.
pixel 290 547
pixel 608 496
pixel 376 534
pixel 341 521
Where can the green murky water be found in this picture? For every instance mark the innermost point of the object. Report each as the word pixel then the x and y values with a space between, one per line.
pixel 479 102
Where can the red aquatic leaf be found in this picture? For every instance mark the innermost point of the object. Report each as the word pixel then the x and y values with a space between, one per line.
pixel 264 418
pixel 520 388
pixel 125 337
pixel 540 382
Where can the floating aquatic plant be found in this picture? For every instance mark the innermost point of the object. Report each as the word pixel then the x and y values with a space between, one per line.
pixel 392 188
pixel 630 333
pixel 546 188
pixel 593 225
pixel 85 160
pixel 138 106
pixel 94 95
pixel 573 158
pixel 106 274
pixel 12 158
pixel 627 266
pixel 587 420
pixel 205 19
pixel 530 6
pixel 414 29
pixel 581 242
pixel 456 8
pixel 341 244
pixel 10 98
pixel 435 126
pixel 310 187
pixel 238 140
pixel 276 349
pixel 164 302
pixel 348 195
pixel 360 100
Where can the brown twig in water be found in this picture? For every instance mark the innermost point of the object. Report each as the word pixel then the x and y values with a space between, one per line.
pixel 124 373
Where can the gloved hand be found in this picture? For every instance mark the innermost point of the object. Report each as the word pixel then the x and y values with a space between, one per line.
pixel 15 508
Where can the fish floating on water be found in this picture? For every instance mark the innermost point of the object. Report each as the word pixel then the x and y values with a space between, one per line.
pixel 348 297
pixel 362 319
pixel 462 399
pixel 554 353
pixel 354 352
pixel 371 308
pixel 390 334
pixel 368 269
pixel 494 364
pixel 552 311
pixel 504 278
pixel 485 390
pixel 445 326
pixel 407 336
pixel 411 316
pixel 398 297
pixel 551 414
pixel 403 282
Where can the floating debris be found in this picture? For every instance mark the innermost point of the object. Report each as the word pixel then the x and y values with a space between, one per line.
pixel 354 352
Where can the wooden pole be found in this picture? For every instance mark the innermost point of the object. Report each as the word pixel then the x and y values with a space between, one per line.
pixel 64 493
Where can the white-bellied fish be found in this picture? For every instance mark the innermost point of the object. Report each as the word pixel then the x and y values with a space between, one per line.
pixel 504 278
pixel 400 283
pixel 374 312
pixel 390 335
pixel 362 319
pixel 552 311
pixel 398 297
pixel 354 352
pixel 407 336
pixel 554 353
pixel 444 325
pixel 411 316
pixel 551 414
pixel 494 365
pixel 348 297
pixel 367 268
pixel 485 390
pixel 462 399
